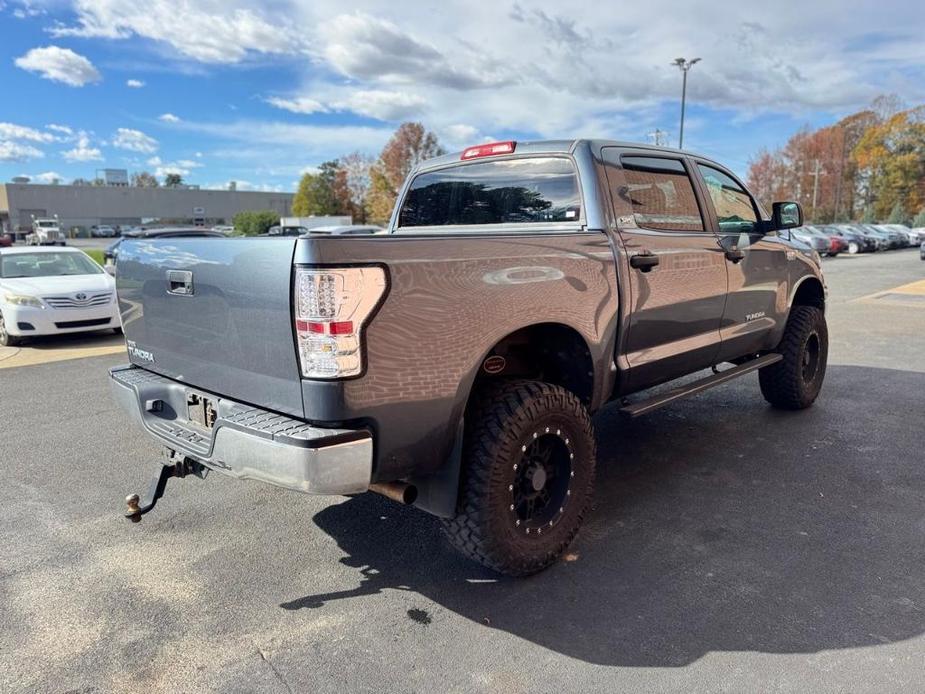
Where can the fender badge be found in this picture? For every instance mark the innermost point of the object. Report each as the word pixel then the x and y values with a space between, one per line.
pixel 494 364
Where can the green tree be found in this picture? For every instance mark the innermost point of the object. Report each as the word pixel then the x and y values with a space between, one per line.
pixel 919 220
pixel 898 214
pixel 891 158
pixel 254 222
pixel 173 179
pixel 316 192
pixel 869 217
pixel 143 179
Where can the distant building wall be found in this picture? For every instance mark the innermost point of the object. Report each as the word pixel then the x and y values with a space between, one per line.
pixel 86 206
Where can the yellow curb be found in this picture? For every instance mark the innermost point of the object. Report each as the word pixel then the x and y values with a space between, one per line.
pixel 911 288
pixel 25 356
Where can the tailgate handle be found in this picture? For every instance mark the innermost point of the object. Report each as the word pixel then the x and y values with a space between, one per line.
pixel 180 282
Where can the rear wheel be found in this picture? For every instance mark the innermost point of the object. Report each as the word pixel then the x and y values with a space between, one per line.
pixel 528 477
pixel 794 382
pixel 6 339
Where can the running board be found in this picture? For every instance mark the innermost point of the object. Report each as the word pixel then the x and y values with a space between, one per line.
pixel 642 407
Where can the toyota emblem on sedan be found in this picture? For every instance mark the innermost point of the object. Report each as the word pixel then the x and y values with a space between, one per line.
pixel 80 296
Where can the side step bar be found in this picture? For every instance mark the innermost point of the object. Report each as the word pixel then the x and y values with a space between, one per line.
pixel 642 407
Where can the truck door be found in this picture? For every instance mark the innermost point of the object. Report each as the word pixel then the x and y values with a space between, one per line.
pixel 756 306
pixel 674 285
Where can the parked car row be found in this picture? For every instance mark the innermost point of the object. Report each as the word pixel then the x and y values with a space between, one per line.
pixel 832 239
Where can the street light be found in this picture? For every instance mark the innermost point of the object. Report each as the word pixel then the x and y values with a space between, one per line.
pixel 683 66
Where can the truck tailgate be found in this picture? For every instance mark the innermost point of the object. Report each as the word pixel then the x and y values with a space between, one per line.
pixel 214 313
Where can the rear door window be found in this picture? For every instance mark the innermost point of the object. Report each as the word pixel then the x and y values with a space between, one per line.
pixel 534 190
pixel 661 194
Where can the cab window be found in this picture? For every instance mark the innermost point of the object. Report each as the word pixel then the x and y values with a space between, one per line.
pixel 735 210
pixel 661 194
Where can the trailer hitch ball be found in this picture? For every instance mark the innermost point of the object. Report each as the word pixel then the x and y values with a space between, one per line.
pixel 176 466
pixel 134 513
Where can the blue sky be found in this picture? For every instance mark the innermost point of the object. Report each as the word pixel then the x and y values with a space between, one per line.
pixel 259 92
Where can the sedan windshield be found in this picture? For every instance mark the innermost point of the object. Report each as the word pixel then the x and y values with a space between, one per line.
pixel 46 265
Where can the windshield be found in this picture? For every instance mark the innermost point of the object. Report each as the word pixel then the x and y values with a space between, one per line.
pixel 47 224
pixel 530 190
pixel 47 265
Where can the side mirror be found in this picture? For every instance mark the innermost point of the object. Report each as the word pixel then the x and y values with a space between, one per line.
pixel 786 215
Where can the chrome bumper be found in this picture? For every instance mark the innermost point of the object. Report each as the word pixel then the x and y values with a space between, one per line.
pixel 247 442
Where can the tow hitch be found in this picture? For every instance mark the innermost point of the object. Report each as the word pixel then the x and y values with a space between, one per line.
pixel 176 466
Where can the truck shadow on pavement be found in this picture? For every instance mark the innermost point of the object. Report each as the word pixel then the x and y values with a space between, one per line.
pixel 719 525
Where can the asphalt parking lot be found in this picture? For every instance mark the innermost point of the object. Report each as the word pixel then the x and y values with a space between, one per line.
pixel 732 548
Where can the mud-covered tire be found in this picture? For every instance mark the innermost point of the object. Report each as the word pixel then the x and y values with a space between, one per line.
pixel 506 431
pixel 794 382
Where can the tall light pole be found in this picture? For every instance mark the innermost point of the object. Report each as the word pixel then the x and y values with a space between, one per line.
pixel 684 66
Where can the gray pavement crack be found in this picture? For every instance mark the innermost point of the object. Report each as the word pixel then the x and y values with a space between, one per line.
pixel 277 673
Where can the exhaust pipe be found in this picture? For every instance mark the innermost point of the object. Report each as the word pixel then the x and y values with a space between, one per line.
pixel 402 492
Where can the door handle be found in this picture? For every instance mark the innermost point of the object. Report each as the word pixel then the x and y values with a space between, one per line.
pixel 180 282
pixel 735 255
pixel 644 262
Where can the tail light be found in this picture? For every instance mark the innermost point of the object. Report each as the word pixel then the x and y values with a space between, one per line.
pixel 332 307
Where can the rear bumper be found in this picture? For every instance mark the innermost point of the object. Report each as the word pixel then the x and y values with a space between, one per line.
pixel 247 442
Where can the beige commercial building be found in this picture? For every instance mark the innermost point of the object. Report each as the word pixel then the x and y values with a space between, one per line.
pixel 87 206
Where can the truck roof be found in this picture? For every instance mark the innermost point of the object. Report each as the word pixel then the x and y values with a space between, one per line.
pixel 556 147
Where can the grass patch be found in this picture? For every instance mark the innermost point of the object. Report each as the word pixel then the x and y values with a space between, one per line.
pixel 96 254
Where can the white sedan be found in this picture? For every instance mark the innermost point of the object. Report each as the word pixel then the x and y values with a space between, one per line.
pixel 47 291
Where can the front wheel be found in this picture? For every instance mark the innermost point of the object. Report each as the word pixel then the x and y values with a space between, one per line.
pixel 853 247
pixel 794 382
pixel 7 340
pixel 528 477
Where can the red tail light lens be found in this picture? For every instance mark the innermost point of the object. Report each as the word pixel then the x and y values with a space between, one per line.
pixel 331 309
pixel 489 149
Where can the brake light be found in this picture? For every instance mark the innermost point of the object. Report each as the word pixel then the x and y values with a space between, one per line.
pixel 331 309
pixel 488 150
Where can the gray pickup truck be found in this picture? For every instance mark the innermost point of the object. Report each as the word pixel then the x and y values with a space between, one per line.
pixel 454 362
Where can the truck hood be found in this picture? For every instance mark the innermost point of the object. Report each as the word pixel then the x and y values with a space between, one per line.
pixel 64 284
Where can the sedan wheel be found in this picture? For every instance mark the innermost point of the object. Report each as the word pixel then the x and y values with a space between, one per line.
pixel 6 339
pixel 853 247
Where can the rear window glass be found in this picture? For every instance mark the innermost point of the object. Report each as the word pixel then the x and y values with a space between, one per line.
pixel 661 194
pixel 512 191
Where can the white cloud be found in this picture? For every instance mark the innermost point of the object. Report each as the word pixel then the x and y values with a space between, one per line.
pixel 375 103
pixel 301 104
pixel 59 65
pixel 134 141
pixel 47 177
pixel 11 131
pixel 17 151
pixel 134 84
pixel 64 131
pixel 210 31
pixel 383 105
pixel 83 151
pixel 183 167
pixel 362 46
pixel 168 118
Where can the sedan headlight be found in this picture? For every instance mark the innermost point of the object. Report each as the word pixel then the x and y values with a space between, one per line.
pixel 23 300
